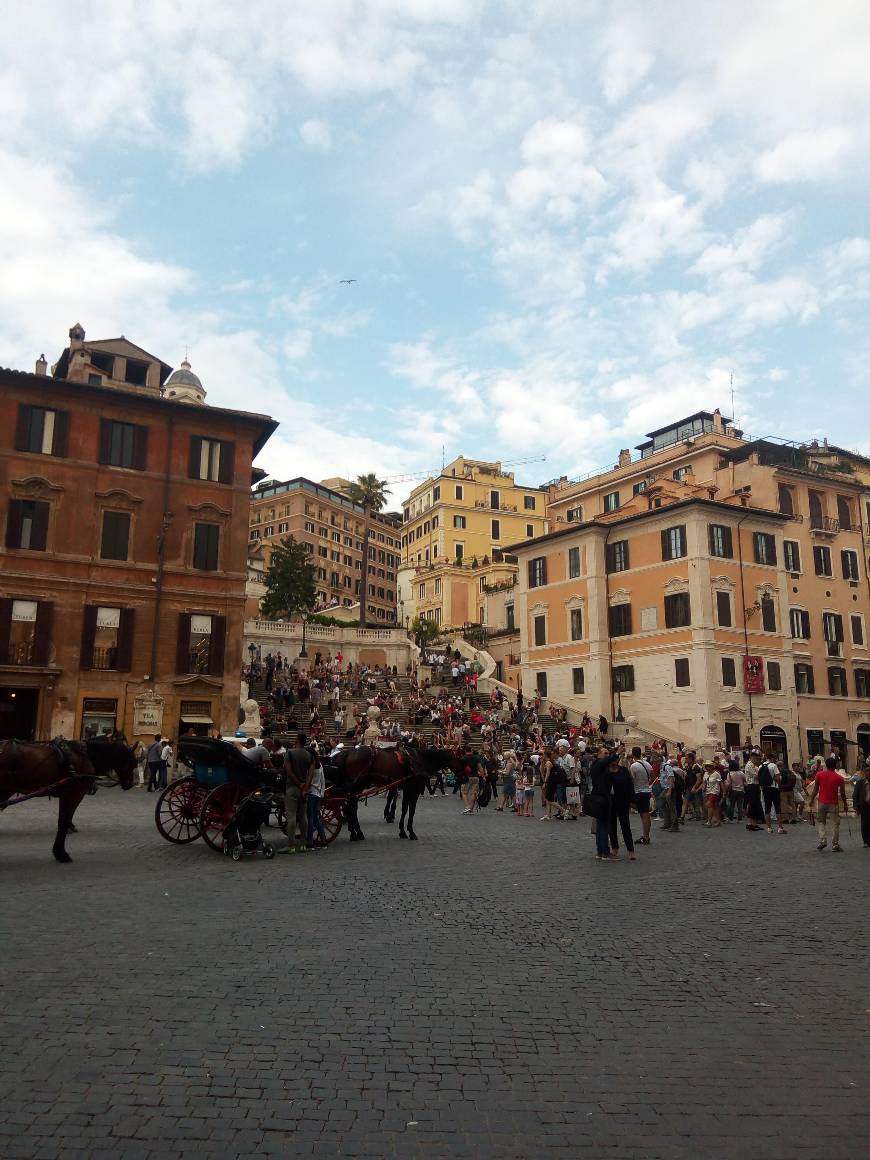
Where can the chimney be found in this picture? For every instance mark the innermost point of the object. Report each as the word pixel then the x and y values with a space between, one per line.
pixel 41 365
pixel 717 420
pixel 76 336
pixel 624 458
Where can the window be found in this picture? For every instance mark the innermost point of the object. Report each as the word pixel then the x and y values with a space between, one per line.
pixel 611 501
pixel 268 531
pixel 573 563
pixel 723 610
pixel 791 551
pixel 764 547
pixel 678 612
pixel 578 682
pixel 774 677
pixel 617 556
pixel 103 362
pixel 857 623
pixel 458 491
pixel 681 672
pixel 530 530
pixel 849 561
pixel 211 459
pixel 509 622
pixel 41 431
pixel 27 525
pixel 123 444
pixel 494 501
pixel 322 551
pixel 576 623
pixel 529 503
pixel 844 513
pixel 729 673
pixel 804 681
pixel 862 683
pixel 206 538
pixel 483 584
pixel 282 528
pixel 201 644
pixel 540 623
pixel 538 572
pixel 832 630
pixel 438 586
pixel 674 543
pixel 623 679
pixel 619 619
pixel 107 638
pixel 574 515
pixel 541 684
pixel 496 529
pixel 639 487
pixel 309 527
pixel 768 614
pixel 459 521
pixel 25 631
pixel 680 473
pixel 421 592
pixel 436 615
pixel 800 623
pixel 115 539
pixel 786 500
pixel 817 511
pixel 135 372
pixel 837 682
pixel 822 560
pixel 720 541
pixel 458 550
pixel 436 492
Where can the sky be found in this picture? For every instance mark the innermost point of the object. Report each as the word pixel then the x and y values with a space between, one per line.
pixel 569 222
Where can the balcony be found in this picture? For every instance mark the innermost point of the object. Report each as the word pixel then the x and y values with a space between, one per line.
pixel 825 525
pixel 20 654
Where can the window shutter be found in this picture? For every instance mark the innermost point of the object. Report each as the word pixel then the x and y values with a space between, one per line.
pixel 729 548
pixel 22 428
pixel 182 657
pixel 89 632
pixel 42 635
pixel 125 639
pixel 60 439
pixel 838 627
pixel 140 448
pixel 5 628
pixel 39 532
pixel 665 553
pixel 13 524
pixel 217 646
pixel 845 565
pixel 228 461
pixel 105 440
pixel 195 457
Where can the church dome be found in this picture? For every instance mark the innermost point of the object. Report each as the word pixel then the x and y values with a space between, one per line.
pixel 184 386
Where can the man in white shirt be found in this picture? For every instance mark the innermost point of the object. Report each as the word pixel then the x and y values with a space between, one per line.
pixel 641 774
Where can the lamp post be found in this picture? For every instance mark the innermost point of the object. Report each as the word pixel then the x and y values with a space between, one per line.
pixel 252 649
pixel 303 655
pixel 619 717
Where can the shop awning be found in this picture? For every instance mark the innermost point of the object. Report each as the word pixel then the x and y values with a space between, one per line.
pixel 191 720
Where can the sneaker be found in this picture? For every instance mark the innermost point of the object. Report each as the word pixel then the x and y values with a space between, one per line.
pixel 821 845
pixel 780 830
pixel 837 850
pixel 466 811
pixel 545 818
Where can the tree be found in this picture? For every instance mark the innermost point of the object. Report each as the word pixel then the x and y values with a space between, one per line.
pixel 289 580
pixel 424 631
pixel 371 492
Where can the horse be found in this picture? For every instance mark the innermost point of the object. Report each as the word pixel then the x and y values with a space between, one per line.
pixel 66 770
pixel 363 768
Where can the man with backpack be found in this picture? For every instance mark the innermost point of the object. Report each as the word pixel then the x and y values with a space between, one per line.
pixel 768 779
pixel 642 776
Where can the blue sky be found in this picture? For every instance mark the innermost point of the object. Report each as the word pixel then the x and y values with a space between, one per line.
pixel 569 222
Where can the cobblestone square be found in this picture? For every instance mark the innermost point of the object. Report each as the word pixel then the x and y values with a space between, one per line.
pixel 489 991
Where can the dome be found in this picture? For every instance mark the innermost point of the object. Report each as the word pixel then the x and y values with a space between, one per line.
pixel 184 385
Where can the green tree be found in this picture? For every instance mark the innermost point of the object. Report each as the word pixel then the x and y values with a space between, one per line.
pixel 371 492
pixel 424 631
pixel 289 580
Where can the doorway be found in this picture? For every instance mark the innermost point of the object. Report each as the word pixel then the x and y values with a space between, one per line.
pixel 773 743
pixel 864 740
pixel 18 712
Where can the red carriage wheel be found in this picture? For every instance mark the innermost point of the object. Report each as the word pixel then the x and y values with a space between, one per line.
pixel 332 817
pixel 217 812
pixel 178 809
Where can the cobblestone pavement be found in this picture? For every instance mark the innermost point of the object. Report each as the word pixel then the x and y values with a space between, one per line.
pixel 489 991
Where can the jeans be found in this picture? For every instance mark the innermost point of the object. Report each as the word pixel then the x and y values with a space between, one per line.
pixel 735 804
pixel 295 809
pixel 621 814
pixel 602 835
pixel 824 813
pixel 753 804
pixel 657 792
pixel 314 822
pixel 667 811
pixel 153 774
pixel 865 823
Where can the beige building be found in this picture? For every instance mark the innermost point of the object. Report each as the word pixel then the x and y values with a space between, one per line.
pixel 332 527
pixel 455 528
pixel 714 587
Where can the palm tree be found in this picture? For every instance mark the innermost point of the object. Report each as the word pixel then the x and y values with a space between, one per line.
pixel 371 492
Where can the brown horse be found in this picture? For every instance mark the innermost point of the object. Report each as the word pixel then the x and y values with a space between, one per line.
pixel 367 768
pixel 66 771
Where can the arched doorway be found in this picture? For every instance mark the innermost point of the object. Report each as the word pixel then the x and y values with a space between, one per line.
pixel 773 743
pixel 863 736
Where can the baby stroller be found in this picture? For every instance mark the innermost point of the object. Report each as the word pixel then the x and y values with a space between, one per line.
pixel 242 836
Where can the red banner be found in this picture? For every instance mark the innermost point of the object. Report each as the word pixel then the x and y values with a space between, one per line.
pixel 753 675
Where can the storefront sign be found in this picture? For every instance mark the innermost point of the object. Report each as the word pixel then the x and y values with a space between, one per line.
pixel 147 714
pixel 753 675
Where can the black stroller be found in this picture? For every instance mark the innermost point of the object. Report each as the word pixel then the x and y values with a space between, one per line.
pixel 242 837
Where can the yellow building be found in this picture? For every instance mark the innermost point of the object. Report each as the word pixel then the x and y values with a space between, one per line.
pixel 455 526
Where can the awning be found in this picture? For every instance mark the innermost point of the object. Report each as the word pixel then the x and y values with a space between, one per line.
pixel 197 720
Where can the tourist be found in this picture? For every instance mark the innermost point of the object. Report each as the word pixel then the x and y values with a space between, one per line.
pixel 787 782
pixel 152 759
pixel 520 793
pixel 694 798
pixel 642 777
pixel 469 762
pixel 861 802
pixel 768 780
pixel 829 787
pixel 711 788
pixel 753 791
pixel 670 799
pixel 597 803
pixel 166 759
pixel 297 766
pixel 735 789
pixel 509 782
pixel 529 787
pixel 620 808
pixel 314 790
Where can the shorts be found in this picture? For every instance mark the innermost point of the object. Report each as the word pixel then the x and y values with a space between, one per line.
pixel 473 785
pixel 713 800
pixel 642 802
pixel 530 795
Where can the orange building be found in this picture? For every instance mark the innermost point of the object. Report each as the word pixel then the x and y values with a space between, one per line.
pixel 124 504
pixel 713 587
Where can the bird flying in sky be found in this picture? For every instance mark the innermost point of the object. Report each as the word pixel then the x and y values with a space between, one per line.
pixel 347 281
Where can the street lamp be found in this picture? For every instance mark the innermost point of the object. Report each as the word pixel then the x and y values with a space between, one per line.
pixel 252 649
pixel 303 656
pixel 619 717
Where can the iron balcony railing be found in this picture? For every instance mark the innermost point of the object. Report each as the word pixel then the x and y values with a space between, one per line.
pixel 20 653
pixel 824 524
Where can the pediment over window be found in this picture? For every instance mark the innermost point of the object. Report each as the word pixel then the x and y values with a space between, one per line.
pixel 119 497
pixel 620 596
pixel 575 601
pixel 676 584
pixel 208 508
pixel 723 582
pixel 35 486
pixel 766 590
pixel 539 609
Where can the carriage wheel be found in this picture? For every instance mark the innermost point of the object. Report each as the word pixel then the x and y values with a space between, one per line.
pixel 178 809
pixel 332 818
pixel 217 813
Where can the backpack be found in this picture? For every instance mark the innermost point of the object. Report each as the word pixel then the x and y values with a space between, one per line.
pixel 483 794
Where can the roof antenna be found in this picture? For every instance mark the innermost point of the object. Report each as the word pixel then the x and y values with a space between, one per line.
pixel 733 415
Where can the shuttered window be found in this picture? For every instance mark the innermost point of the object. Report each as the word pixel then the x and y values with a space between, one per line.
pixel 617 556
pixel 27 524
pixel 42 431
pixel 681 672
pixel 721 542
pixel 619 619
pixel 723 609
pixel 123 444
pixel 115 539
pixel 674 543
pixel 206 538
pixel 576 623
pixel 678 610
pixel 211 459
pixel 729 673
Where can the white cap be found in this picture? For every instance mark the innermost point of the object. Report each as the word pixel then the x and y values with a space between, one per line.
pixel 562 741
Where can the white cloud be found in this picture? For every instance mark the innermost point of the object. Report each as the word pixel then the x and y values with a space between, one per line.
pixel 316 134
pixel 813 155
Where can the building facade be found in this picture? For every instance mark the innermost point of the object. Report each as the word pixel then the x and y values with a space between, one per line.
pixel 456 527
pixel 714 587
pixel 332 528
pixel 125 504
